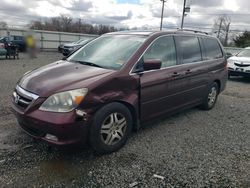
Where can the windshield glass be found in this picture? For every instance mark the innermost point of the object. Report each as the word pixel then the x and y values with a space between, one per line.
pixel 244 53
pixel 110 51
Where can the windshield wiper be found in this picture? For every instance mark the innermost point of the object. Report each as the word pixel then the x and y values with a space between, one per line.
pixel 88 63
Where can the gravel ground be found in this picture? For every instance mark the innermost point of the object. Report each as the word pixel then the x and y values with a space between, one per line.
pixel 194 148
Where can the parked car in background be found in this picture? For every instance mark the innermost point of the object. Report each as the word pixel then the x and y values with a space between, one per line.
pixel 60 48
pixel 3 51
pixel 15 40
pixel 69 48
pixel 229 54
pixel 117 83
pixel 239 65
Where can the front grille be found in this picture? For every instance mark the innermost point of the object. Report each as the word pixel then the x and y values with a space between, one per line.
pixel 242 65
pixel 23 98
pixel 23 102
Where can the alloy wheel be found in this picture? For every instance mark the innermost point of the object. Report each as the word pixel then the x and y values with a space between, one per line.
pixel 113 128
pixel 212 96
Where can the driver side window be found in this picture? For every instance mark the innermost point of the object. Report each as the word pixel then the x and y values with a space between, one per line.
pixel 163 49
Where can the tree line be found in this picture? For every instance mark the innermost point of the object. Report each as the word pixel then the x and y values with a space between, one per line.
pixel 68 24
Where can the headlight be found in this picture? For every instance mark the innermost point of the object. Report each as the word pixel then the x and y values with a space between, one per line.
pixel 64 101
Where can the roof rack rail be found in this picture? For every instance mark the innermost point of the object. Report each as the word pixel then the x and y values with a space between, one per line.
pixel 195 31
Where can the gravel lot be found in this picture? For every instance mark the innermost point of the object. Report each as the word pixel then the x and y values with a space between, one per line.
pixel 194 148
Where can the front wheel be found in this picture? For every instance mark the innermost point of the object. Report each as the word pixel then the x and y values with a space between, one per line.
pixel 211 97
pixel 111 128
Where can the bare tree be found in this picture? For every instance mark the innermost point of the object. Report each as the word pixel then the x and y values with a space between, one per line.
pixel 68 24
pixel 221 28
pixel 3 24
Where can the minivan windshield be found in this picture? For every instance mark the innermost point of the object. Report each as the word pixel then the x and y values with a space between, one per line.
pixel 109 51
pixel 244 53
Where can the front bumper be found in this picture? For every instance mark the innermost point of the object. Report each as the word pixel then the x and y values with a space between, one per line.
pixel 242 70
pixel 67 128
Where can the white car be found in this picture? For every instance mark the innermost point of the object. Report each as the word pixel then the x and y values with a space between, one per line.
pixel 239 64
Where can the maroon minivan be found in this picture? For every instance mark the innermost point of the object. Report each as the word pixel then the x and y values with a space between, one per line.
pixel 118 82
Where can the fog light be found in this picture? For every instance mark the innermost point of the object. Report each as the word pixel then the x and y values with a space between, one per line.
pixel 51 137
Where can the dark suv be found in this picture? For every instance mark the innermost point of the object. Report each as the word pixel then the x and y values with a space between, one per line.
pixel 15 40
pixel 118 82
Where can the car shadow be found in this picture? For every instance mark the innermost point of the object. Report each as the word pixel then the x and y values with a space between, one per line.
pixel 240 79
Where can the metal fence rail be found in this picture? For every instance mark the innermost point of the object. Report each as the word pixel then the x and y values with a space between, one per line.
pixel 233 50
pixel 46 40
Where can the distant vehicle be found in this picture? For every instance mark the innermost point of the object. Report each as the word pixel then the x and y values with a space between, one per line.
pixel 60 48
pixel 15 40
pixel 3 51
pixel 228 54
pixel 69 48
pixel 239 65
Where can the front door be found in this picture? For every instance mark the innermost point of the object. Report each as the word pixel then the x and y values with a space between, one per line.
pixel 162 90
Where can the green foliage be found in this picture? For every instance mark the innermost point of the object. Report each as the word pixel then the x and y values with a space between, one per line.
pixel 242 40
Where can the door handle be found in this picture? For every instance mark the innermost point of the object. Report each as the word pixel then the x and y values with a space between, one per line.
pixel 176 74
pixel 188 71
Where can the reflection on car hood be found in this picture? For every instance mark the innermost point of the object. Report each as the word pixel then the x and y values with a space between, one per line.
pixel 61 76
pixel 240 59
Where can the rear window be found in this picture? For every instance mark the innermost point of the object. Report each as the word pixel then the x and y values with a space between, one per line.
pixel 213 50
pixel 190 49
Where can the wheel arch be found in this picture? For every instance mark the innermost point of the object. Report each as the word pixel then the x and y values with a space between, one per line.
pixel 217 81
pixel 133 112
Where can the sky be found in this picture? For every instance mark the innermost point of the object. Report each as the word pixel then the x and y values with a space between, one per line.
pixel 129 13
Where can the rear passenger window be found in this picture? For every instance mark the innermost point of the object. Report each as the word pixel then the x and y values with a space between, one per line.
pixel 189 47
pixel 213 50
pixel 164 49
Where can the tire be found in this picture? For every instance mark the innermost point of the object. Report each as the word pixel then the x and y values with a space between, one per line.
pixel 211 97
pixel 109 133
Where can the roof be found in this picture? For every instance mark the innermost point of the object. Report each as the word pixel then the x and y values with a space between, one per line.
pixel 151 32
pixel 134 32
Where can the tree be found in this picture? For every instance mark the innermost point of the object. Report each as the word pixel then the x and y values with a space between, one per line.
pixel 68 24
pixel 3 24
pixel 221 28
pixel 242 40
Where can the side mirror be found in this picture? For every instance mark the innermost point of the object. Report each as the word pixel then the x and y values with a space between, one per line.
pixel 228 54
pixel 151 64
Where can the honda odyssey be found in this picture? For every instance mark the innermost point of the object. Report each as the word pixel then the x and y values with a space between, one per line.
pixel 118 82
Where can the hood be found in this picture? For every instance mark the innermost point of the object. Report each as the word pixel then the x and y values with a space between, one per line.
pixel 61 76
pixel 240 59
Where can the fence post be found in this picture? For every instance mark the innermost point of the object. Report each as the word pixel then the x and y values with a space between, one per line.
pixel 41 41
pixel 60 39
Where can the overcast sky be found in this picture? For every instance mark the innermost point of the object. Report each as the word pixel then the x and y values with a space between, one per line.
pixel 128 13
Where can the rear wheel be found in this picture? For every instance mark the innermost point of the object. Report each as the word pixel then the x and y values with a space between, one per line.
pixel 211 97
pixel 111 127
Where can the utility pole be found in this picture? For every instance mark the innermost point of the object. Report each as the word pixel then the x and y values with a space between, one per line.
pixel 183 14
pixel 162 11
